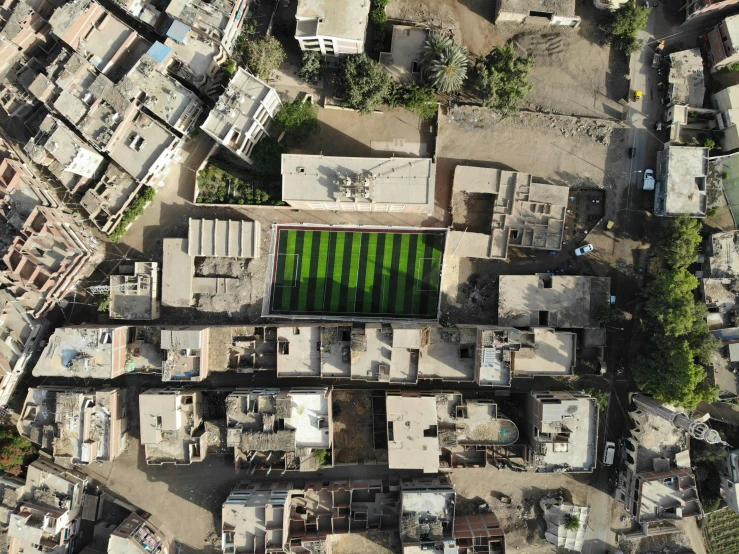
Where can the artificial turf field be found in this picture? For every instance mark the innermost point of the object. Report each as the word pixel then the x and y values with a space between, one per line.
pixel 357 272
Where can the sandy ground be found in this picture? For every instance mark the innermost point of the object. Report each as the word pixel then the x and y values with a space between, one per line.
pixel 570 76
pixel 373 542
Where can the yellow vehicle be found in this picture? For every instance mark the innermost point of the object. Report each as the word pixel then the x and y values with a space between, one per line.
pixel 637 95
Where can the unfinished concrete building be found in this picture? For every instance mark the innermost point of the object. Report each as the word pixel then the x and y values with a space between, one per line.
pixel 331 29
pixel 187 358
pixel 106 201
pixel 243 114
pixel 289 429
pixel 719 45
pixel 207 238
pixel 497 209
pixel 686 83
pixel 20 191
pixel 47 259
pixel 171 425
pixel 134 292
pixel 247 349
pixel 141 532
pixel 537 12
pixel 71 160
pixel 20 337
pixel 563 431
pixel 77 425
pixel 403 61
pixel 557 301
pixel 86 351
pixel 47 518
pixel 281 517
pixel 316 182
pixel 430 431
pixel 725 101
pixel 656 485
pixel 681 181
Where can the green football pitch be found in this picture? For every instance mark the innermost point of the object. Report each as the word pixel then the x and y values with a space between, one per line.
pixel 357 272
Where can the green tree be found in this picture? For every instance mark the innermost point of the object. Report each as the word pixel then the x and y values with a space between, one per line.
pixel 418 100
pixel 502 79
pixel 267 156
pixel 15 451
pixel 104 303
pixel 263 55
pixel 435 44
pixel 311 67
pixel 448 70
pixel 362 83
pixel 602 398
pixel 299 121
pixel 572 523
pixel 134 210
pixel 683 238
pixel 378 16
pixel 709 143
pixel 624 25
pixel 322 456
pixel 670 302
pixel 230 68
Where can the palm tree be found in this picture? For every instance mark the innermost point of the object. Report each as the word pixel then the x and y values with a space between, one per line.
pixel 448 70
pixel 435 44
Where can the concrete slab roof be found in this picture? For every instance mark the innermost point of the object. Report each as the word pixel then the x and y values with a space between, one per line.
pixel 140 144
pixel 346 19
pixel 177 274
pixel 685 179
pixel 413 441
pixel 565 8
pixel 559 301
pixel 224 238
pixel 723 259
pixel 406 49
pixel 686 77
pixel 391 180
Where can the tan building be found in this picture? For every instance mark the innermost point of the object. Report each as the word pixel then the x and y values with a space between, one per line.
pixel 48 511
pixel 289 429
pixel 171 425
pixel 537 12
pixel 525 214
pixel 188 351
pixel 107 200
pixel 330 28
pixel 681 181
pixel 563 431
pixel 359 184
pixel 243 114
pixel 724 101
pixel 134 293
pixel 141 533
pixel 78 426
pixel 721 43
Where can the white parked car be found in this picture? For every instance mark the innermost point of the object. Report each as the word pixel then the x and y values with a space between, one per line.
pixel 584 249
pixel 609 453
pixel 648 179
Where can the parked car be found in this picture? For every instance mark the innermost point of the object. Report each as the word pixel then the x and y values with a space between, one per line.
pixel 648 179
pixel 584 249
pixel 632 152
pixel 609 453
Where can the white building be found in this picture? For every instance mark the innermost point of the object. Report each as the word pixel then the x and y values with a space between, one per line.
pixel 359 184
pixel 332 28
pixel 242 114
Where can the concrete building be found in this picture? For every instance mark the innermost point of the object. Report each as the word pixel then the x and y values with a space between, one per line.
pixel 219 21
pixel 515 212
pixel 190 56
pixel 686 83
pixel 657 485
pixel 730 480
pixel 47 258
pixel 71 160
pixel 557 514
pixel 359 184
pixel 243 114
pixel 563 431
pixel 107 200
pixel 537 12
pixel 688 125
pixel 187 354
pixel 100 38
pixel 681 181
pixel 161 95
pixel 134 293
pixel 330 28
pixel 280 517
pixel 171 425
pixel 20 337
pixel 77 425
pixel 206 238
pixel 96 352
pixel 20 191
pixel 724 101
pixel 442 431
pixel 141 532
pixel 403 61
pixel 288 429
pixel 48 511
pixel 720 41
pixel 557 301
pixel 699 8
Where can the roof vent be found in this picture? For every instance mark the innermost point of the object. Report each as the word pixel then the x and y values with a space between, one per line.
pixel 301 170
